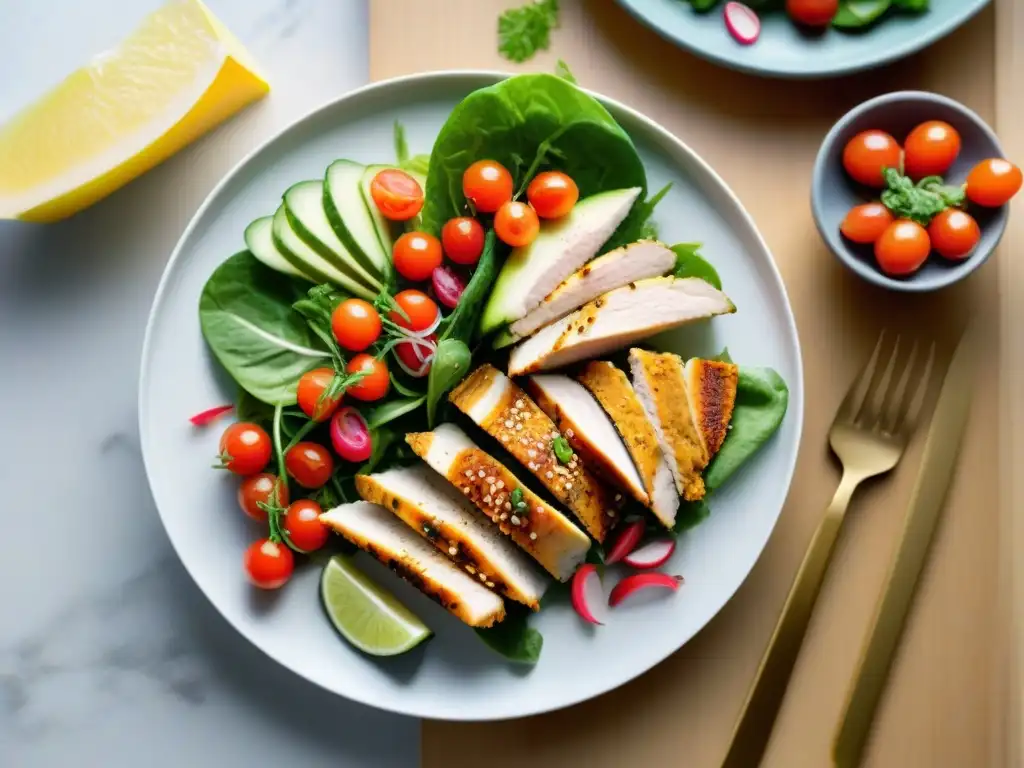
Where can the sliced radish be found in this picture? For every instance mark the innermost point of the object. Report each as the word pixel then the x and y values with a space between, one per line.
pixel 651 555
pixel 350 435
pixel 210 415
pixel 448 286
pixel 742 23
pixel 639 581
pixel 625 542
pixel 587 593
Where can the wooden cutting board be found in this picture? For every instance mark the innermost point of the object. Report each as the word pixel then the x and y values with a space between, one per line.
pixel 948 703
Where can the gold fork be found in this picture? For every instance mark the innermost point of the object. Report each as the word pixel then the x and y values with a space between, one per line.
pixel 868 435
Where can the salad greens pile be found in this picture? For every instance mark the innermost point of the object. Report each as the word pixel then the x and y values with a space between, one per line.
pixel 267 328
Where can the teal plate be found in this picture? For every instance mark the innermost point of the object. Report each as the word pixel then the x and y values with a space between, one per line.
pixel 783 50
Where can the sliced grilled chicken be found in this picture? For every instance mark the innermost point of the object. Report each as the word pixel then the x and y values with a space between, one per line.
pixel 508 414
pixel 711 391
pixel 588 429
pixel 432 507
pixel 374 529
pixel 611 388
pixel 547 535
pixel 658 382
pixel 619 318
pixel 637 261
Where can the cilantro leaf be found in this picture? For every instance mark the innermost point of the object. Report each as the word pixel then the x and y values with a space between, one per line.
pixel 527 29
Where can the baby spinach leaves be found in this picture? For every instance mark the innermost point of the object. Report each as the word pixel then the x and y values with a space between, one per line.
pixel 451 362
pixel 689 263
pixel 246 316
pixel 513 637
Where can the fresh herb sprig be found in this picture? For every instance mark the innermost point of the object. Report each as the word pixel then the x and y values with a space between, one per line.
pixel 919 202
pixel 527 29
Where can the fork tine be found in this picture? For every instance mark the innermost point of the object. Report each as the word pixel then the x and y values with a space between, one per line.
pixel 899 402
pixel 854 397
pixel 912 410
pixel 875 397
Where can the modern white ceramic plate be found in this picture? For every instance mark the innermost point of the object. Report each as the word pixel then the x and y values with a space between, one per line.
pixel 454 676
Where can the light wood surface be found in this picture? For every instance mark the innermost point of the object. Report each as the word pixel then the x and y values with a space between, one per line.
pixel 948 693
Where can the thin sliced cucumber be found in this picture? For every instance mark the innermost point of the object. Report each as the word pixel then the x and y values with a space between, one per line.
pixel 260 242
pixel 304 206
pixel 350 218
pixel 313 264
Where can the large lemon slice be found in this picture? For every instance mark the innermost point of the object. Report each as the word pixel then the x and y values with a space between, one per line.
pixel 176 77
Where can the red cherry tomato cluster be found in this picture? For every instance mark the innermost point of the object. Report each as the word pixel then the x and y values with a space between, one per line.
pixel 903 239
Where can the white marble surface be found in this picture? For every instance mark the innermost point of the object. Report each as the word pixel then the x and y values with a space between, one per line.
pixel 109 655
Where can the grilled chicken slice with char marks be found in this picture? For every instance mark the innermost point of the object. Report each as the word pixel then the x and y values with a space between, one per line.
pixel 547 535
pixel 375 530
pixel 508 414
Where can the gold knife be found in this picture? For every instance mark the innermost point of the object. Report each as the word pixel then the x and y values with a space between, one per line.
pixel 937 468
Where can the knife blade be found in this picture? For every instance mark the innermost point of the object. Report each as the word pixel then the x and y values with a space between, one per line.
pixel 927 500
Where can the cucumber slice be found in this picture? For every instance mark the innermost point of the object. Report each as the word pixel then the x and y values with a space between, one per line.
pixel 350 218
pixel 313 264
pixel 260 242
pixel 304 206
pixel 380 225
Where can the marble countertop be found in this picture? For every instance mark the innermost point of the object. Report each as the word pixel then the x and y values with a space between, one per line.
pixel 108 652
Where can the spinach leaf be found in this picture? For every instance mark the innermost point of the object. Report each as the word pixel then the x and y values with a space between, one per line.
pixel 461 323
pixel 391 410
pixel 451 362
pixel 859 13
pixel 513 638
pixel 689 263
pixel 911 5
pixel 690 515
pixel 523 122
pixel 562 70
pixel 246 317
pixel 703 5
pixel 248 408
pixel 381 439
pixel 401 145
pixel 761 401
pixel 525 30
pixel 723 356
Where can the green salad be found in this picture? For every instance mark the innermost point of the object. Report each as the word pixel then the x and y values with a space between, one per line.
pixel 445 361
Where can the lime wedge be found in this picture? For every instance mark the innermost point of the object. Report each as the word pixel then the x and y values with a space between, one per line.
pixel 366 614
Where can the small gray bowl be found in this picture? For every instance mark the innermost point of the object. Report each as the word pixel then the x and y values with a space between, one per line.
pixel 833 193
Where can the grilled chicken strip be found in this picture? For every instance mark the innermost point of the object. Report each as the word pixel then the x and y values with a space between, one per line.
pixel 374 529
pixel 547 535
pixel 431 507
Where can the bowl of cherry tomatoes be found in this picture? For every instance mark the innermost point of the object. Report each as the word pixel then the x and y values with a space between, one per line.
pixel 911 191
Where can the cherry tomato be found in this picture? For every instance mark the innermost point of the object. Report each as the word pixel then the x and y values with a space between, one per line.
pixel 487 185
pixel 954 234
pixel 413 355
pixel 516 224
pixel 356 324
pixel 245 448
pixel 302 521
pixel 813 13
pixel 866 223
pixel 416 254
pixel 310 464
pixel 902 248
pixel 397 195
pixel 552 194
pixel 256 490
pixel 930 149
pixel 310 394
pixel 463 240
pixel 374 385
pixel 991 183
pixel 418 307
pixel 867 153
pixel 268 564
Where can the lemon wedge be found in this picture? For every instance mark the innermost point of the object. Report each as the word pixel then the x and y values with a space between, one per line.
pixel 177 76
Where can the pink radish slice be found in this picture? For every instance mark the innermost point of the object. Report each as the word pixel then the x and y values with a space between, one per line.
pixel 587 592
pixel 210 415
pixel 625 542
pixel 651 555
pixel 742 23
pixel 639 581
pixel 350 435
pixel 448 286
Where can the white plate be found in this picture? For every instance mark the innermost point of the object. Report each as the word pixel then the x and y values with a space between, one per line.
pixel 454 676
